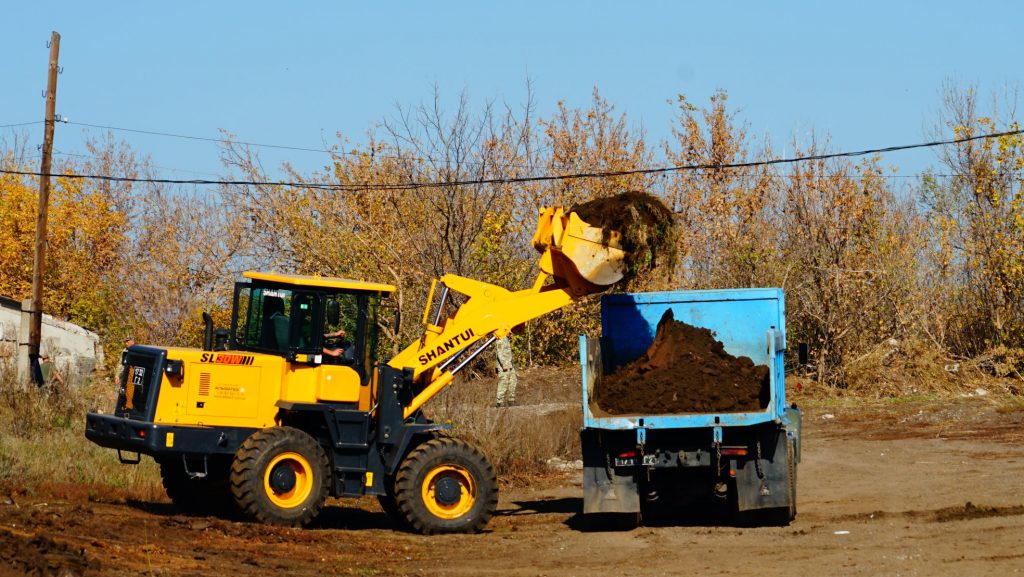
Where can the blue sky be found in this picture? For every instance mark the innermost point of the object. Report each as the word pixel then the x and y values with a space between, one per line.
pixel 869 74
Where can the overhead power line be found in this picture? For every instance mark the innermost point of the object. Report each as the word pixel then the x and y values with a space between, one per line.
pixel 21 124
pixel 411 157
pixel 413 185
pixel 202 138
pixel 95 157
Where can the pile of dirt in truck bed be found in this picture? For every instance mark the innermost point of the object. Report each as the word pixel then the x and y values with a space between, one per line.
pixel 685 370
pixel 647 227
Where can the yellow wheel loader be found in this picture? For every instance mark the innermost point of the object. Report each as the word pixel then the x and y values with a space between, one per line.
pixel 290 405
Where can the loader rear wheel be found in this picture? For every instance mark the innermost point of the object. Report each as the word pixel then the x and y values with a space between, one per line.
pixel 280 477
pixel 191 494
pixel 446 486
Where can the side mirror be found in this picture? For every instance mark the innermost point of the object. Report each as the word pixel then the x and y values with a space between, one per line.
pixel 333 312
pixel 398 320
pixel 803 353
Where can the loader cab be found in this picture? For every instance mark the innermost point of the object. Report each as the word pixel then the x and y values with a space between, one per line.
pixel 288 316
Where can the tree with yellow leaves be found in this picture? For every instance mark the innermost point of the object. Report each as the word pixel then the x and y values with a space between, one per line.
pixel 977 223
pixel 728 236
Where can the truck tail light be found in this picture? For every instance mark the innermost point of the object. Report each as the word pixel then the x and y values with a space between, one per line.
pixel 734 451
pixel 627 454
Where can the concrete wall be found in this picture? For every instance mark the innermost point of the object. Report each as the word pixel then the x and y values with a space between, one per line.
pixel 76 351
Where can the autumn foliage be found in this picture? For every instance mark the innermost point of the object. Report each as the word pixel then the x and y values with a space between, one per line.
pixel 865 259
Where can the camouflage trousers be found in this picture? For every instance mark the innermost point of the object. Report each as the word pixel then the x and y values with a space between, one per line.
pixel 507 381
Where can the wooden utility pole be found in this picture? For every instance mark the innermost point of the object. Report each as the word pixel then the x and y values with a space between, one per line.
pixel 39 260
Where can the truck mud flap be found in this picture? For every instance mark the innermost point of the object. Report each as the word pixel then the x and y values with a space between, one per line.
pixel 605 491
pixel 764 483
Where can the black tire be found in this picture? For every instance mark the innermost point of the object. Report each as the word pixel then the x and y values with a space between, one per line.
pixel 623 521
pixel 389 503
pixel 446 486
pixel 280 477
pixel 209 495
pixel 778 516
pixel 791 457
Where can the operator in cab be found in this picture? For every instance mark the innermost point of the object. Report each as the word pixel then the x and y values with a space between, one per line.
pixel 335 344
pixel 337 348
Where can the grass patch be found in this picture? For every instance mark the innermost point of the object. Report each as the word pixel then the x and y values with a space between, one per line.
pixel 912 398
pixel 1010 404
pixel 43 448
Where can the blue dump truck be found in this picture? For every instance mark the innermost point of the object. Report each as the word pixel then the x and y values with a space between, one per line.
pixel 646 462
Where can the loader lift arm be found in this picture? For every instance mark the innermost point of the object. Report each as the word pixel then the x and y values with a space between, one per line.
pixel 578 258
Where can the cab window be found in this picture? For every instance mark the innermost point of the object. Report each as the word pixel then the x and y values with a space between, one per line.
pixel 268 319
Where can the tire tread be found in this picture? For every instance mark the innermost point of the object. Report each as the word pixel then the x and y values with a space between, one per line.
pixel 416 464
pixel 247 475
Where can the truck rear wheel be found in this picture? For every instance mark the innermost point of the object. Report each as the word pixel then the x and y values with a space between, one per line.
pixel 791 457
pixel 777 516
pixel 446 486
pixel 280 477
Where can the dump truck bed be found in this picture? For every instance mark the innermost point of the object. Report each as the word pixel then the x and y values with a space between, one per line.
pixel 748 322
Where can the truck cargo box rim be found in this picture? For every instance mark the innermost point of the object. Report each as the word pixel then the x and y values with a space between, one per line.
pixel 749 322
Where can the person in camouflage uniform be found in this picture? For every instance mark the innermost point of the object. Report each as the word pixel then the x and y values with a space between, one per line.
pixel 51 376
pixel 507 378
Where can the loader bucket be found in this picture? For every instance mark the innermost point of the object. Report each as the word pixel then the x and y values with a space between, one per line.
pixel 587 258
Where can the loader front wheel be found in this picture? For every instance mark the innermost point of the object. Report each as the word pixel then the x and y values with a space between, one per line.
pixel 446 486
pixel 389 504
pixel 280 477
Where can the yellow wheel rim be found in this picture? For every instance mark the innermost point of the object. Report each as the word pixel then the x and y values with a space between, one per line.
pixel 449 491
pixel 277 481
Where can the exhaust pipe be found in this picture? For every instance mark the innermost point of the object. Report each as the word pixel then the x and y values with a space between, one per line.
pixel 207 331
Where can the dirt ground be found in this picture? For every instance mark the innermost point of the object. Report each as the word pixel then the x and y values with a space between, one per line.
pixel 897 488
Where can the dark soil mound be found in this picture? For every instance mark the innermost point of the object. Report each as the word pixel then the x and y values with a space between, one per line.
pixel 41 555
pixel 647 227
pixel 685 370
